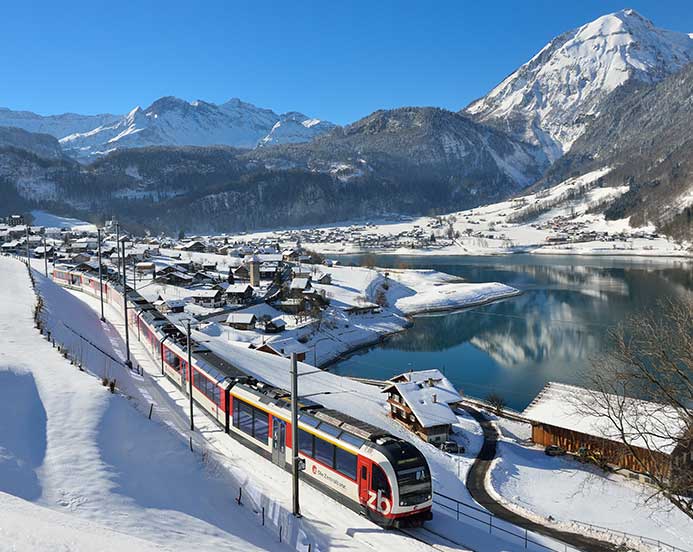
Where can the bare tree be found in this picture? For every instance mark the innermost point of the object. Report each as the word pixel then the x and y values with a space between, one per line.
pixel 650 357
pixel 497 402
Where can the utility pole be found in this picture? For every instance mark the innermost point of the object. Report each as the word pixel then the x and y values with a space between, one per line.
pixel 294 436
pixel 118 246
pixel 190 374
pixel 45 253
pixel 128 362
pixel 98 234
pixel 27 244
pixel 134 273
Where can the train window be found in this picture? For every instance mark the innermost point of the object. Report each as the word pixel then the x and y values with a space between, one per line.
pixel 245 417
pixel 351 439
pixel 261 426
pixel 364 472
pixel 345 462
pixel 379 481
pixel 329 429
pixel 305 442
pixel 324 452
pixel 250 420
pixel 309 420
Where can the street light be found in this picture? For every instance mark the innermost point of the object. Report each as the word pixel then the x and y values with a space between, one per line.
pixel 128 362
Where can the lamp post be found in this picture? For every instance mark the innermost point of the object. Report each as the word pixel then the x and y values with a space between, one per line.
pixel 128 362
pixel 192 423
pixel 294 436
pixel 98 234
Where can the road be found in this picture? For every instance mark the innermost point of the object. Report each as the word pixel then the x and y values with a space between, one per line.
pixel 477 488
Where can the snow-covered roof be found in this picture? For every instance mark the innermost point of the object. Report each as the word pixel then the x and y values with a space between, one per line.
pixel 240 318
pixel 424 402
pixel 433 379
pixel 580 410
pixel 287 345
pixel 207 293
pixel 238 288
pixel 300 283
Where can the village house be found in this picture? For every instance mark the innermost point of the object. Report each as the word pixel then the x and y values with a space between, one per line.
pixel 423 402
pixel 170 305
pixel 210 298
pixel 284 346
pixel 572 418
pixel 241 273
pixel 241 320
pixel 192 247
pixel 239 294
pixel 270 325
pixel 298 286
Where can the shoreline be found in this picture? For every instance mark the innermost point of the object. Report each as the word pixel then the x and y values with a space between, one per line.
pixel 410 317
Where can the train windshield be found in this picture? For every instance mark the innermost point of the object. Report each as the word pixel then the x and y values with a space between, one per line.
pixel 414 484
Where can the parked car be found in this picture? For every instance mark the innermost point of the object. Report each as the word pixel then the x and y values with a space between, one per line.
pixel 452 447
pixel 554 450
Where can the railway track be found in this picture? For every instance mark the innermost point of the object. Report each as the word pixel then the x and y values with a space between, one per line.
pixel 434 540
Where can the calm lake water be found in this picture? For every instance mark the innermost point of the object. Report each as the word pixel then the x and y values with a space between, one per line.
pixel 549 333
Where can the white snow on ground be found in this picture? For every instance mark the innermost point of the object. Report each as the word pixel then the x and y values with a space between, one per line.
pixel 575 494
pixel 334 525
pixel 74 447
pixel 43 218
pixel 562 225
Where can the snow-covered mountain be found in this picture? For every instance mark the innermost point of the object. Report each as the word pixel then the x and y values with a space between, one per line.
pixel 55 125
pixel 550 99
pixel 171 121
pixel 294 127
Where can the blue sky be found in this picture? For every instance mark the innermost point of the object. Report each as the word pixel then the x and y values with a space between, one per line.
pixel 338 60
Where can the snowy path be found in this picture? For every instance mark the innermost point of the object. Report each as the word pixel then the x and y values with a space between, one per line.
pixel 76 448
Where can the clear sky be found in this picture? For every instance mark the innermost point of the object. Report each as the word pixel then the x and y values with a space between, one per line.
pixel 334 59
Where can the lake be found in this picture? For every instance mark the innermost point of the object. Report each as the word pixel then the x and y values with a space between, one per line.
pixel 513 347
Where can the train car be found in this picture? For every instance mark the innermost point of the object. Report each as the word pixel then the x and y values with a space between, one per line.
pixel 370 471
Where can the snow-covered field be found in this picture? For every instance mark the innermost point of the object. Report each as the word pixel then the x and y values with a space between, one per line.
pixel 87 464
pixel 575 494
pixel 43 218
pixel 559 220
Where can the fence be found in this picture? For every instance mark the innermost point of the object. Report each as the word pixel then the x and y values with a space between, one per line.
pixel 497 526
pixel 630 538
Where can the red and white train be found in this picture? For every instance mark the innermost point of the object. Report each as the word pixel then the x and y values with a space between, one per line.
pixel 362 466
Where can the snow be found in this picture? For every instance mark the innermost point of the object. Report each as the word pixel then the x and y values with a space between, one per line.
pixel 551 98
pixel 331 524
pixel 576 494
pixel 83 459
pixel 171 121
pixel 578 409
pixel 566 209
pixel 49 220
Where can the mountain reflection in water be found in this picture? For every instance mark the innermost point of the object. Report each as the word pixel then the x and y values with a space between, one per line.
pixel 513 347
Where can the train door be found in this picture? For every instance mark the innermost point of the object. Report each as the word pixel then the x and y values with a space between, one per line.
pixel 278 442
pixel 364 474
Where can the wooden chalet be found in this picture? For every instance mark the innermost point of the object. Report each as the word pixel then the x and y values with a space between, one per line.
pixel 423 402
pixel 572 418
